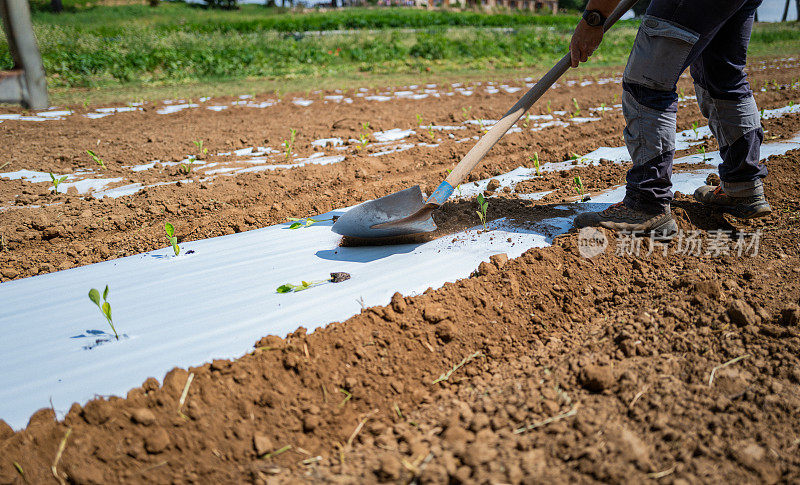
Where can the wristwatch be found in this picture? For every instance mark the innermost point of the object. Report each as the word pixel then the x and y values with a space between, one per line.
pixel 594 18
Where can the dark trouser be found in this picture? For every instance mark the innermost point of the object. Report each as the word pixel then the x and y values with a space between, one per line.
pixel 711 36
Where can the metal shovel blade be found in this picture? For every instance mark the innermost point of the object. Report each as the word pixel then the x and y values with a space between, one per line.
pixel 360 221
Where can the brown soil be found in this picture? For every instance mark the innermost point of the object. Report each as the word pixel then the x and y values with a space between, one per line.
pixel 604 365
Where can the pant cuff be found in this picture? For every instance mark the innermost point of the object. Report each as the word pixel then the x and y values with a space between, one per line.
pixel 642 205
pixel 743 189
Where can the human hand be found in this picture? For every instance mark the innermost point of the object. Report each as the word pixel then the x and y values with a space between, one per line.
pixel 584 42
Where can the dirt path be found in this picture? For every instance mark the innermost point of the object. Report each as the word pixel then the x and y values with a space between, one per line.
pixel 574 369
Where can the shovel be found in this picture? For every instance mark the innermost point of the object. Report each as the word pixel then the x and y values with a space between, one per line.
pixel 407 212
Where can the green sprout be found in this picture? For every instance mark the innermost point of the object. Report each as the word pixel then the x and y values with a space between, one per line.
pixel 431 133
pixel 602 109
pixel 173 240
pixel 791 104
pixel 56 181
pixel 577 111
pixel 186 168
pixel 535 160
pixel 200 149
pixel 465 112
pixel 702 151
pixel 304 285
pixel 105 307
pixel 578 185
pixel 548 108
pixel 681 96
pixel 363 136
pixel 419 119
pixel 296 224
pixel 695 125
pixel 762 113
pixel 96 159
pixel 525 121
pixel 483 205
pixel 289 144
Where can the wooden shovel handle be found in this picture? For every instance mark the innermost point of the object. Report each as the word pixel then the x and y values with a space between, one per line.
pixel 476 154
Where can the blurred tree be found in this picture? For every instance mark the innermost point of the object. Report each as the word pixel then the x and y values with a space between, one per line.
pixel 56 6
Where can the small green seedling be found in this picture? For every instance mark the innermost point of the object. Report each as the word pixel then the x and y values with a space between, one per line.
pixel 297 224
pixel 762 113
pixel 548 108
pixel 173 240
pixel 483 205
pixel 304 285
pixel 695 125
pixel 186 168
pixel 289 144
pixel 791 104
pixel 419 119
pixel 56 181
pixel 681 96
pixel 535 160
pixel 702 151
pixel 465 112
pixel 578 185
pixel 363 137
pixel 602 109
pixel 525 120
pixel 105 307
pixel 96 159
pixel 577 111
pixel 200 149
pixel 431 133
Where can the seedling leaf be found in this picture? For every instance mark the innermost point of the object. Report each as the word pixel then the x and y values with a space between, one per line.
pixel 105 293
pixel 106 309
pixel 284 289
pixel 94 295
pixel 170 229
pixel 296 225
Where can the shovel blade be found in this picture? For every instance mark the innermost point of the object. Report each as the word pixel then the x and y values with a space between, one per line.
pixel 360 221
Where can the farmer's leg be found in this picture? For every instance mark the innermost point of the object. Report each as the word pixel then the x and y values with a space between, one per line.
pixel 725 98
pixel 672 35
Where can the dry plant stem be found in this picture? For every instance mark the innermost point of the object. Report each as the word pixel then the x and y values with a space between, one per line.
pixel 637 397
pixel 60 451
pixel 726 364
pixel 185 391
pixel 461 364
pixel 552 419
pixel 662 474
pixel 356 431
pixel 278 451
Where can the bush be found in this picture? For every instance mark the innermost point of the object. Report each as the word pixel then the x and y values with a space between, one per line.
pixel 222 4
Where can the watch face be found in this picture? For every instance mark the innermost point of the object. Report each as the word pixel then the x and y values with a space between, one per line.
pixel 593 19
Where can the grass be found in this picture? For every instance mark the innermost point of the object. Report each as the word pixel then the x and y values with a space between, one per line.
pixel 119 53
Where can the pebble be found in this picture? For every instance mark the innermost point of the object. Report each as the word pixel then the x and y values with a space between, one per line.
pixel 262 444
pixel 157 441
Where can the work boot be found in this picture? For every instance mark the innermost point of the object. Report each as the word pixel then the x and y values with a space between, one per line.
pixel 622 218
pixel 741 207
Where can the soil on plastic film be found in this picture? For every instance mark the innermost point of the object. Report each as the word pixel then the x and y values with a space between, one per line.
pixel 674 368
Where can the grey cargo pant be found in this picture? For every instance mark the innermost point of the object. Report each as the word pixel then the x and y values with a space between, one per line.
pixel 711 36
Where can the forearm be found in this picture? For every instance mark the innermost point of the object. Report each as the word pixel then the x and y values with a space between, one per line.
pixel 604 6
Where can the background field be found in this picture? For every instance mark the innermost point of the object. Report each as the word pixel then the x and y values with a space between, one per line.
pixel 177 45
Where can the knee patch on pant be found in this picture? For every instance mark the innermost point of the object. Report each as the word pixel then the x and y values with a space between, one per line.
pixel 649 132
pixel 659 54
pixel 729 119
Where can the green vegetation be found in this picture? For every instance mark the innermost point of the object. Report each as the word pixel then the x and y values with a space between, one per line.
pixel 92 46
pixel 535 160
pixel 96 159
pixel 336 277
pixel 173 240
pixel 200 149
pixel 578 185
pixel 483 205
pixel 296 224
pixel 57 181
pixel 288 145
pixel 105 307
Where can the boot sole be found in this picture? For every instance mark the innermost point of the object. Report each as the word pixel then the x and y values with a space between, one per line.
pixel 741 211
pixel 664 232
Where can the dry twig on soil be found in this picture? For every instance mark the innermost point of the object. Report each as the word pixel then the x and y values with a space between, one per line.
pixel 466 360
pixel 60 451
pixel 545 422
pixel 726 364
